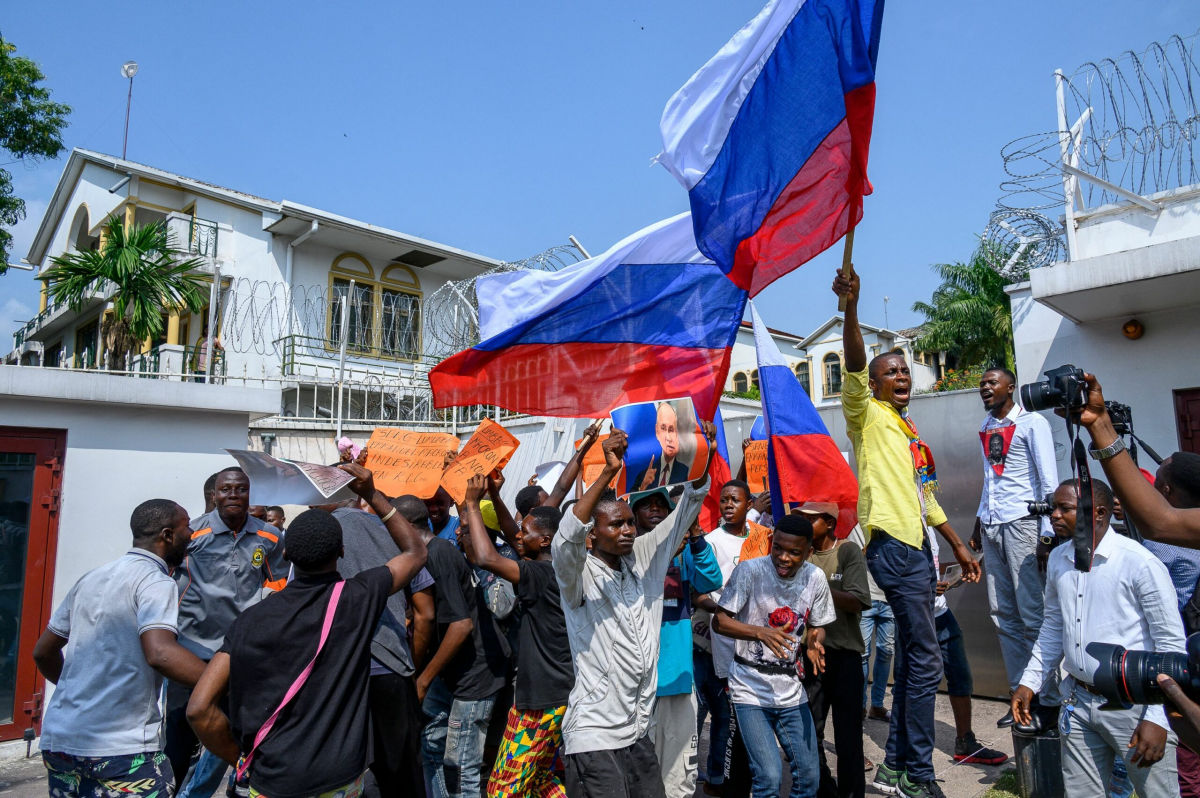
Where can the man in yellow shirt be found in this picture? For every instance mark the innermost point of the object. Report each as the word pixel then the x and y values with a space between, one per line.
pixel 896 481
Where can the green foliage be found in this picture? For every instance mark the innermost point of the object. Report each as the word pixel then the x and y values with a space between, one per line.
pixel 958 379
pixel 143 269
pixel 31 128
pixel 1005 786
pixel 750 394
pixel 969 315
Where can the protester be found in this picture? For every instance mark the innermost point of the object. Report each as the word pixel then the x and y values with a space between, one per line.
pixel 276 517
pixel 959 683
pixel 1018 467
pixel 306 729
pixel 897 481
pixel 1126 598
pixel 258 511
pixel 840 685
pixel 210 494
pixel 673 722
pixel 467 670
pixel 231 558
pixel 533 495
pixel 396 717
pixel 533 732
pixel 767 605
pixel 106 650
pixel 612 599
pixel 736 540
pixel 445 526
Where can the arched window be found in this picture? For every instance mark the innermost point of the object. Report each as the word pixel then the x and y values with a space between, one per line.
pixel 384 312
pixel 754 379
pixel 803 376
pixel 833 374
pixel 740 384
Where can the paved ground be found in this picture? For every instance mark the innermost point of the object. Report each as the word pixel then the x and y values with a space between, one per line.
pixel 26 778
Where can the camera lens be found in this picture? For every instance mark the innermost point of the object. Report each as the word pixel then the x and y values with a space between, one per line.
pixel 1038 396
pixel 1127 677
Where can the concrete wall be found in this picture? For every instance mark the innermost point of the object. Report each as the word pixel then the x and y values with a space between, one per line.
pixel 1141 373
pixel 128 440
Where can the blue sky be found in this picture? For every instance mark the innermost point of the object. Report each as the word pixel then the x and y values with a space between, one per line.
pixel 502 128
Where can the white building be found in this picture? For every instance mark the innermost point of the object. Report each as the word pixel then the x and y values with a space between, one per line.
pixel 286 272
pixel 818 359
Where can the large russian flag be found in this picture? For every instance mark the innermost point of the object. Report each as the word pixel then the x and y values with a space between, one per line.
pixel 803 462
pixel 770 137
pixel 649 318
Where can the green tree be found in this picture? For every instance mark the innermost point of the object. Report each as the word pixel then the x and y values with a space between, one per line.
pixel 145 274
pixel 31 128
pixel 969 314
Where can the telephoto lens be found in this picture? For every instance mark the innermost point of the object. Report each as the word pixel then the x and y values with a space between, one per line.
pixel 1127 678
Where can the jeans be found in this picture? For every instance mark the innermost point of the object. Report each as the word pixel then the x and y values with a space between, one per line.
pixel 205 777
pixel 452 743
pixel 837 690
pixel 793 728
pixel 906 576
pixel 878 627
pixel 713 696
pixel 954 656
pixel 1015 587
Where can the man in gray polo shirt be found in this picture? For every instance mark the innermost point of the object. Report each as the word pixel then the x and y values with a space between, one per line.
pixel 231 558
pixel 396 717
pixel 102 733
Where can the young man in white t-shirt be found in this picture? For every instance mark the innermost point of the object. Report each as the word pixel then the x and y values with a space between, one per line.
pixel 766 606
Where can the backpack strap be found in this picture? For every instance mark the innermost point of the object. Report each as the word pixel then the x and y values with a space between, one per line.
pixel 244 765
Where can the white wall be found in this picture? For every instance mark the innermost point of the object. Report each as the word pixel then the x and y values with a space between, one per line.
pixel 1141 373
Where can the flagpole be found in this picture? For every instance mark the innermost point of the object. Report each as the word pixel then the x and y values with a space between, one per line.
pixel 847 265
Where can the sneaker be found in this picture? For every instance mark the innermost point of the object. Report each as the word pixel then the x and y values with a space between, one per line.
pixel 887 780
pixel 919 789
pixel 968 749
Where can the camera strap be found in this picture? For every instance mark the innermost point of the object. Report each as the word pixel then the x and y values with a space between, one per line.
pixel 1085 520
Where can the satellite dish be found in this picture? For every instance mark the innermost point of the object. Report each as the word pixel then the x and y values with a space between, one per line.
pixel 129 69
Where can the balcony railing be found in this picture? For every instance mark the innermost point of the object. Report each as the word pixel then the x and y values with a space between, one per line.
pixel 202 238
pixel 33 325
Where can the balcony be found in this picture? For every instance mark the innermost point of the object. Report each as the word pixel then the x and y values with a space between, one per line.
pixel 195 237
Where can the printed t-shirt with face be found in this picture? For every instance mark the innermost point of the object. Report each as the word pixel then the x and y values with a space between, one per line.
pixel 480 667
pixel 729 550
pixel 755 594
pixel 545 674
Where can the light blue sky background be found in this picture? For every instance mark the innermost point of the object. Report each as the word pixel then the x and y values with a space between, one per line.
pixel 502 128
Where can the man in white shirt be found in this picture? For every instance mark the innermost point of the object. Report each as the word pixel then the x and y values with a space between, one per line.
pixel 1018 467
pixel 1126 599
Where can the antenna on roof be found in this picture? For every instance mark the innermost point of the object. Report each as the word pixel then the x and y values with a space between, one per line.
pixel 128 70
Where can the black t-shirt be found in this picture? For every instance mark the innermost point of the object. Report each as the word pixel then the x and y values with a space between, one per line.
pixel 545 674
pixel 480 667
pixel 322 739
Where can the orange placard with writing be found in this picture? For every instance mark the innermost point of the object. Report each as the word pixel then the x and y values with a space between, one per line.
pixel 593 462
pixel 489 448
pixel 756 466
pixel 404 461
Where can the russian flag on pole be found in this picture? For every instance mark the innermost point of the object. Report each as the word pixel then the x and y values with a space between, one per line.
pixel 804 464
pixel 719 473
pixel 649 318
pixel 770 137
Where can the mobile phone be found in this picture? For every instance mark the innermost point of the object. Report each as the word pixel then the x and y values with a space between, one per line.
pixel 952 575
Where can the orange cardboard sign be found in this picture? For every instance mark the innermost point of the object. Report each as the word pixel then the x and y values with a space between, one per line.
pixel 593 462
pixel 488 449
pixel 404 461
pixel 756 466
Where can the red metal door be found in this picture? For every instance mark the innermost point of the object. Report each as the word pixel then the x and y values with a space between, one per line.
pixel 1187 419
pixel 30 485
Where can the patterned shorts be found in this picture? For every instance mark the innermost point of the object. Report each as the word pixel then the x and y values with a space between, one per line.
pixel 525 762
pixel 352 790
pixel 147 774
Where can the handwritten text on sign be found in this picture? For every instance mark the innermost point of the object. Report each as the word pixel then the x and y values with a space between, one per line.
pixel 404 461
pixel 756 465
pixel 489 448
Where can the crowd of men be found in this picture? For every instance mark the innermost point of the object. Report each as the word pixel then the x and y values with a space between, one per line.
pixel 385 646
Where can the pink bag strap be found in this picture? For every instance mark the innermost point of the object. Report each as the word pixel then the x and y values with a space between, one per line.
pixel 244 764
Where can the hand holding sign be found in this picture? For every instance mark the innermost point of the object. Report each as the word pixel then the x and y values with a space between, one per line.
pixel 404 461
pixel 488 450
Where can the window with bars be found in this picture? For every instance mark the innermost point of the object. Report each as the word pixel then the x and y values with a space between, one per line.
pixel 833 374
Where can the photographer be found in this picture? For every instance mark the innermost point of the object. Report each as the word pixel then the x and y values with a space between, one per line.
pixel 1127 599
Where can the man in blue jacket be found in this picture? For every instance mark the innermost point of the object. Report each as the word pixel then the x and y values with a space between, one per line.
pixel 694 567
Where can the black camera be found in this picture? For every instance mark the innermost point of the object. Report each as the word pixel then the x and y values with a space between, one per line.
pixel 1042 508
pixel 1127 677
pixel 1063 387
pixel 1121 417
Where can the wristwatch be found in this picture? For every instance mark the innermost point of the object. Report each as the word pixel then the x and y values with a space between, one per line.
pixel 1111 450
pixel 1047 540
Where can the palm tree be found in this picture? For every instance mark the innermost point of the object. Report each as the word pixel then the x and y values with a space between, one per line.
pixel 142 268
pixel 969 314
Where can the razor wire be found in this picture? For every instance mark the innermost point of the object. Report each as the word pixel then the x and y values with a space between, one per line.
pixel 1132 121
